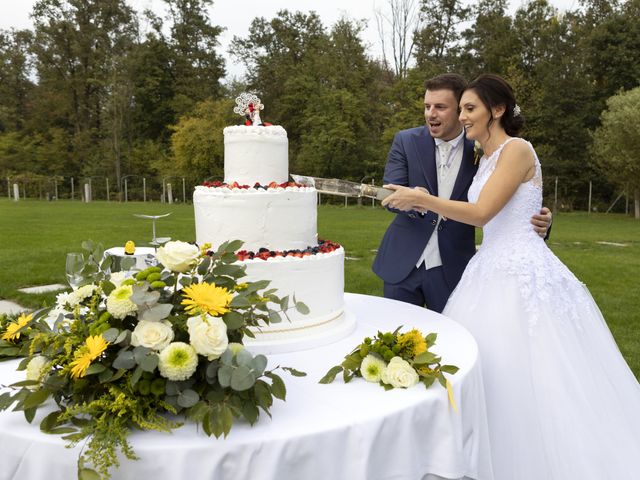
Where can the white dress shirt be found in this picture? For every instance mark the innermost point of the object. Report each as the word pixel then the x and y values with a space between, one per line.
pixel 448 160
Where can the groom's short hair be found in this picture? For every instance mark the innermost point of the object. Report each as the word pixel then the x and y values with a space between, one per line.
pixel 447 81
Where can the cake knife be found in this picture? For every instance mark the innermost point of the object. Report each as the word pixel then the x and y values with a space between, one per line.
pixel 343 187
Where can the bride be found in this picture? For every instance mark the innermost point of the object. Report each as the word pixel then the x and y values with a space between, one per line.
pixel 562 404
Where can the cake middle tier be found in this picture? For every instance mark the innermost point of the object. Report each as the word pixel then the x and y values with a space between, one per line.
pixel 275 218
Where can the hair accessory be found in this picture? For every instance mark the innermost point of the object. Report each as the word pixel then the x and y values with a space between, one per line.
pixel 516 110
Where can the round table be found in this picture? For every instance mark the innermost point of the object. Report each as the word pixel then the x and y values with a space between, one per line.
pixel 357 431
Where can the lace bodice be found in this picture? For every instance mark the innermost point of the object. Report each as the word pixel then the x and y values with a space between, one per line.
pixel 511 247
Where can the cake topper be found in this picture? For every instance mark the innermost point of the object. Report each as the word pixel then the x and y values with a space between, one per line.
pixel 249 105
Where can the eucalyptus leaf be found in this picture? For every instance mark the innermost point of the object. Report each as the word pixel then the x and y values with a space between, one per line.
pixel 157 312
pixel 140 353
pixel 284 302
pixel 172 388
pixel 302 308
pixel 107 286
pixel 188 398
pixel 127 263
pixel 244 357
pixel 137 373
pixel 111 335
pixel 149 363
pixel 242 378
pixel 105 376
pixel 123 336
pixel 259 363
pixel 124 360
pixel 185 281
pixel 258 285
pixel 212 372
pixel 274 317
pixel 224 375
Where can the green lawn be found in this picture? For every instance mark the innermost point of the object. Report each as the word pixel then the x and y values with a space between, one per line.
pixel 35 236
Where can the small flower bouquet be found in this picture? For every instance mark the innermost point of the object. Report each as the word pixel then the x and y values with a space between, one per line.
pixel 132 352
pixel 395 360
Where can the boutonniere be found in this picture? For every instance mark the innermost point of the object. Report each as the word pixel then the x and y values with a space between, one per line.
pixel 477 152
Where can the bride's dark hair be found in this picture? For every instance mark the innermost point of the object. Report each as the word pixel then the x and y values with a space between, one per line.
pixel 494 91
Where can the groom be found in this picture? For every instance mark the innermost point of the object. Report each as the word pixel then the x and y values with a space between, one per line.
pixel 421 257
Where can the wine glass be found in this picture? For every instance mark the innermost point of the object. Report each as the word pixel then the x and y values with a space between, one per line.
pixel 74 267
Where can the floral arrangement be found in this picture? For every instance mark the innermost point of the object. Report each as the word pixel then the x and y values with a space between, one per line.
pixel 127 351
pixel 324 246
pixel 395 360
pixel 256 186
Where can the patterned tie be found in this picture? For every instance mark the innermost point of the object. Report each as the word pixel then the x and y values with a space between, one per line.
pixel 444 149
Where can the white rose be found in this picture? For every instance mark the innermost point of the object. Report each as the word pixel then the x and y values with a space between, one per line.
pixel 37 367
pixel 400 374
pixel 153 335
pixel 208 335
pixel 178 256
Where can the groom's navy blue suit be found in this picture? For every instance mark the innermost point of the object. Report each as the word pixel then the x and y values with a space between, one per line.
pixel 412 162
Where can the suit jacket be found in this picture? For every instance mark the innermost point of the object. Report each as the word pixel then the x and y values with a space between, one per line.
pixel 412 162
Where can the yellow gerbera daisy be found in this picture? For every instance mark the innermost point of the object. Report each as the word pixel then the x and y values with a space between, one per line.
pixel 412 342
pixel 92 349
pixel 206 298
pixel 13 329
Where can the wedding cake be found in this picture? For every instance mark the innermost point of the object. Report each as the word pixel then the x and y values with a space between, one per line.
pixel 277 221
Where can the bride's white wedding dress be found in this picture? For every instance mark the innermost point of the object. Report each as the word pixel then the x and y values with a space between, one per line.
pixel 562 403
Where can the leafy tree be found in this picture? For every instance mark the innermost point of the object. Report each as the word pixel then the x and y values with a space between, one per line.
pixel 615 143
pixel 196 66
pixel 15 84
pixel 197 143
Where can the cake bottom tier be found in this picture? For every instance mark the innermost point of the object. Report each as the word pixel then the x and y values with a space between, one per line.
pixel 315 280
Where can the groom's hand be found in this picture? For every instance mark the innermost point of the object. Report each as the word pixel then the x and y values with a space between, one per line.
pixel 542 221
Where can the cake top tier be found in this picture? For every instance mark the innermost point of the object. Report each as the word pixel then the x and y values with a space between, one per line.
pixel 242 131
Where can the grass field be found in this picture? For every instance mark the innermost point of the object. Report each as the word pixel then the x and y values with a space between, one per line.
pixel 36 235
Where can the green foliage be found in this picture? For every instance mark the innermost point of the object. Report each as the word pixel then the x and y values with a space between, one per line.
pixel 615 142
pixel 105 380
pixel 385 348
pixel 197 143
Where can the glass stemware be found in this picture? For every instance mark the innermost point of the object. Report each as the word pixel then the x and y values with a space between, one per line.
pixel 74 267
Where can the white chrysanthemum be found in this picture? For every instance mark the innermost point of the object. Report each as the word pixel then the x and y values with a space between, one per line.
pixel 117 278
pixel 62 299
pixel 372 368
pixel 400 374
pixel 208 335
pixel 82 293
pixel 153 335
pixel 177 361
pixel 119 302
pixel 37 367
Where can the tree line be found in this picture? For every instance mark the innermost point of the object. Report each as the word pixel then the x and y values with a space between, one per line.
pixel 97 89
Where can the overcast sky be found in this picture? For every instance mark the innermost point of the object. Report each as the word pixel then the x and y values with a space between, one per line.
pixel 236 15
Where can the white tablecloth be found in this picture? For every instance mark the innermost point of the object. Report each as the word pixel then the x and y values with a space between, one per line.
pixel 357 431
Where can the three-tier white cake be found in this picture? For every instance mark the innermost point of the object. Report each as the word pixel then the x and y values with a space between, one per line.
pixel 277 220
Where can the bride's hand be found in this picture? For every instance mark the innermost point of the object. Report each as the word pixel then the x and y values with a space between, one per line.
pixel 403 198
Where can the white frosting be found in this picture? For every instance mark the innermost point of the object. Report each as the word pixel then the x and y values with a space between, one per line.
pixel 277 219
pixel 256 154
pixel 316 280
